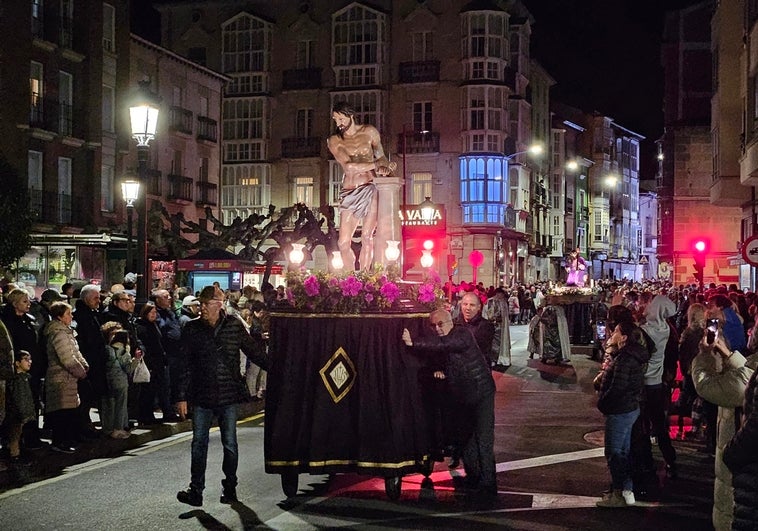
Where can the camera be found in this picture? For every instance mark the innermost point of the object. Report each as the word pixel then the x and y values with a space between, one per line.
pixel 712 330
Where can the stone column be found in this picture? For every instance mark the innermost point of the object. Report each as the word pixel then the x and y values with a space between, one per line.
pixel 388 222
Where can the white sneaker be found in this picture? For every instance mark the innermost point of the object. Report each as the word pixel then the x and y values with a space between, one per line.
pixel 628 496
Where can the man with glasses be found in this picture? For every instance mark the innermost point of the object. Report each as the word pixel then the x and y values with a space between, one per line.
pixel 472 397
pixel 210 379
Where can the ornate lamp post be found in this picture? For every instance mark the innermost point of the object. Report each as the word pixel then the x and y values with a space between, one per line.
pixel 143 114
pixel 130 192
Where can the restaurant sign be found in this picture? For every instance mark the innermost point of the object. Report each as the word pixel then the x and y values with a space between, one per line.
pixel 412 220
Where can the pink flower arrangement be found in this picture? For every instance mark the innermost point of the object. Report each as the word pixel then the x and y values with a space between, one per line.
pixel 359 292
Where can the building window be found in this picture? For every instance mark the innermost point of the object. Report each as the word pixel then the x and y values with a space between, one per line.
pixel 66 103
pixel 245 190
pixel 483 189
pixel 109 28
pixel 109 102
pixel 423 49
pixel 420 187
pixel 38 26
pixel 304 54
pixel 106 188
pixel 484 45
pixel 302 190
pixel 34 179
pixel 598 232
pixel 485 112
pixel 36 87
pixel 358 36
pixel 422 116
pixel 64 191
pixel 246 47
pixel 304 123
pixel 204 171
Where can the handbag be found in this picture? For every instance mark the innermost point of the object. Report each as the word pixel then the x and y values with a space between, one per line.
pixel 141 374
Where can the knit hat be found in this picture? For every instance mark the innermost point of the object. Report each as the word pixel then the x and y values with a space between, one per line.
pixel 211 293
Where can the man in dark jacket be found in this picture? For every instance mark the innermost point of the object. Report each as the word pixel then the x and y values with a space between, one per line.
pixel 212 381
pixel 92 346
pixel 472 390
pixel 471 318
pixel 171 332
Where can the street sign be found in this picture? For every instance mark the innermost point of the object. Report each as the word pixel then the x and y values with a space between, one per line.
pixel 643 260
pixel 750 250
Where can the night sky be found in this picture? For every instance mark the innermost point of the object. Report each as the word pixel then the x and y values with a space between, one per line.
pixel 603 54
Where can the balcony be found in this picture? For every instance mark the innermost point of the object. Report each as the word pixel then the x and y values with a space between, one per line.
pixel 207 129
pixel 51 115
pixel 301 79
pixel 179 189
pixel 207 193
pixel 414 142
pixel 154 182
pixel 54 208
pixel 298 148
pixel 539 195
pixel 584 214
pixel 419 72
pixel 180 120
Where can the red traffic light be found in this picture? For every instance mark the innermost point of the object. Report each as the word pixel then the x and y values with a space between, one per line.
pixel 700 246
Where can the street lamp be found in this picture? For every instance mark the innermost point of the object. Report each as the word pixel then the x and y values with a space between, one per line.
pixel 296 254
pixel 427 209
pixel 130 192
pixel 143 115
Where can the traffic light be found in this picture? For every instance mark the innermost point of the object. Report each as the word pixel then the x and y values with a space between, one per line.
pixel 700 248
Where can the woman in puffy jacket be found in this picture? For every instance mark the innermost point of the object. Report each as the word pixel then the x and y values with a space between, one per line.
pixel 741 456
pixel 65 367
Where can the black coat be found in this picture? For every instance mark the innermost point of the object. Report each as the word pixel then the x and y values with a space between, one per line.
pixel 23 332
pixel 467 372
pixel 150 336
pixel 483 330
pixel 91 345
pixel 623 380
pixel 210 375
pixel 741 456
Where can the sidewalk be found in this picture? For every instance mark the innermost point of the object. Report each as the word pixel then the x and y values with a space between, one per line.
pixel 45 463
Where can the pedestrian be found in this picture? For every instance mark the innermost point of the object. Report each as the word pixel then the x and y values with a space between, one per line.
pixel 514 307
pixel 65 367
pixel 190 309
pixel 154 357
pixel 741 456
pixel 495 311
pixel 92 346
pixel 720 375
pixel 659 376
pixel 114 414
pixel 20 407
pixel 472 391
pixel 22 328
pixel 619 400
pixel 211 382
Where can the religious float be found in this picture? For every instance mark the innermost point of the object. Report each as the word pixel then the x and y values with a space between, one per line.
pixel 343 392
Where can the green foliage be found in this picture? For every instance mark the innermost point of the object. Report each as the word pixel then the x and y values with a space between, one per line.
pixel 15 217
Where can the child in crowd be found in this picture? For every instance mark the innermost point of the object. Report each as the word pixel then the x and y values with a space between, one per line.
pixel 119 364
pixel 20 404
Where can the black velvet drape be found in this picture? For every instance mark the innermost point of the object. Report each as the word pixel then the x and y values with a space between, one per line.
pixel 378 426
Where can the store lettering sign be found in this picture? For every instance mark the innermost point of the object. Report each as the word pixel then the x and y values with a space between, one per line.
pixel 411 216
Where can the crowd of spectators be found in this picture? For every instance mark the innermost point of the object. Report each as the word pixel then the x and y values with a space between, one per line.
pixel 67 361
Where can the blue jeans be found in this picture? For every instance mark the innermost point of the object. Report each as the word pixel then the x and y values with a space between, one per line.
pixel 202 419
pixel 618 438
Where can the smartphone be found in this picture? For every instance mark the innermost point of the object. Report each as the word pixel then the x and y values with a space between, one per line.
pixel 600 330
pixel 711 330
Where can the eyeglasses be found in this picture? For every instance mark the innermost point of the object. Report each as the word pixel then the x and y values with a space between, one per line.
pixel 210 302
pixel 439 324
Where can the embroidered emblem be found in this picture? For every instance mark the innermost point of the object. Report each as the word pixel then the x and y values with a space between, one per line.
pixel 338 375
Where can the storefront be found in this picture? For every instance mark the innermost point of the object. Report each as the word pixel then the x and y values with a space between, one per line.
pixel 231 274
pixel 55 259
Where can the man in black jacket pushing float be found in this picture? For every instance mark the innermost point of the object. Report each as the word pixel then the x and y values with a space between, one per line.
pixel 210 379
pixel 472 391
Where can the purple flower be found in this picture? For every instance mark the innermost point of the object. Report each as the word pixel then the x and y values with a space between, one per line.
pixel 311 286
pixel 390 291
pixel 333 282
pixel 351 286
pixel 369 298
pixel 426 293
